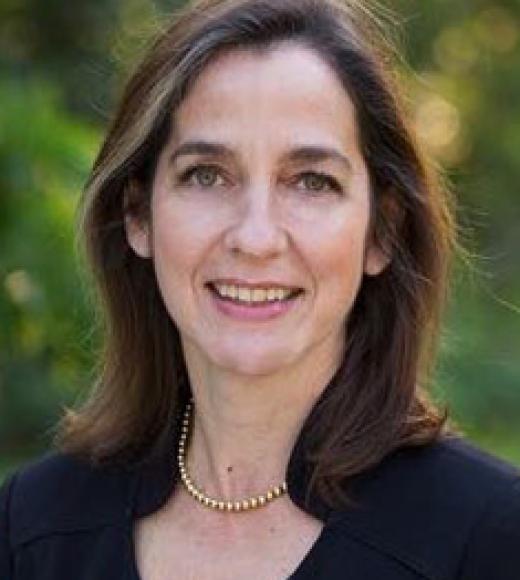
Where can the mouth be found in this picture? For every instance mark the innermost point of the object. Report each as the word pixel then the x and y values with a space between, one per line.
pixel 256 296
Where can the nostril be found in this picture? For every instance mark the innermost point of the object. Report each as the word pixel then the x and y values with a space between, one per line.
pixel 256 237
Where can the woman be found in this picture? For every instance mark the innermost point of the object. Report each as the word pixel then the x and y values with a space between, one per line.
pixel 271 251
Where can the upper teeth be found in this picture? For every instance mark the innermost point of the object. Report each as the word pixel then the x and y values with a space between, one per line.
pixel 252 294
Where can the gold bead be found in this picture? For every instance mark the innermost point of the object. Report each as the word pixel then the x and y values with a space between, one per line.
pixel 221 505
pixel 245 504
pixel 254 502
pixel 261 500
pixel 269 495
pixel 229 506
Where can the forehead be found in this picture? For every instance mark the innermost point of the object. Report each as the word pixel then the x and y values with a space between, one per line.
pixel 287 91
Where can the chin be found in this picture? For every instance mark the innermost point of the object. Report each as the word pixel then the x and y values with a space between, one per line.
pixel 252 363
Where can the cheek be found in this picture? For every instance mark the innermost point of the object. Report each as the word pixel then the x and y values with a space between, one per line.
pixel 181 231
pixel 338 259
pixel 175 251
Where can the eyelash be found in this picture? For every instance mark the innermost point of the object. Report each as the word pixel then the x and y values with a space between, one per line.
pixel 188 173
pixel 331 183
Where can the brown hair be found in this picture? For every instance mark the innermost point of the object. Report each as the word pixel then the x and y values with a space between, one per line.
pixel 376 404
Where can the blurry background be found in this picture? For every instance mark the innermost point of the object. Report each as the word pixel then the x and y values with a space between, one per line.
pixel 61 67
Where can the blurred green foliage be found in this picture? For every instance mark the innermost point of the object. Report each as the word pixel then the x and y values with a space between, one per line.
pixel 60 72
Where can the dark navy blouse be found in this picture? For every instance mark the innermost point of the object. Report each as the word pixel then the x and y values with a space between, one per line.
pixel 446 511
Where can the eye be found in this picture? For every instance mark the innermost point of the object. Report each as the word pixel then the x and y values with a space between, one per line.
pixel 316 182
pixel 204 175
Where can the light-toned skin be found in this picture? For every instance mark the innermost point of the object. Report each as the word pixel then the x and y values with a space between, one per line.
pixel 256 218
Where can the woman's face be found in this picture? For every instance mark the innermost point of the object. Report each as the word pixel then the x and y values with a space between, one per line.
pixel 259 213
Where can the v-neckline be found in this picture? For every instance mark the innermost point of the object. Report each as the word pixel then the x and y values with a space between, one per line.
pixel 302 571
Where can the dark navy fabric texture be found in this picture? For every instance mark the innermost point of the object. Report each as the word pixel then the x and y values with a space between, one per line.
pixel 447 511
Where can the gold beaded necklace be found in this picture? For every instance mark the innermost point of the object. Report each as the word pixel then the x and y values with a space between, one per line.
pixel 205 500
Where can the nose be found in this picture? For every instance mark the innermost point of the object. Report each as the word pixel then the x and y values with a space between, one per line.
pixel 257 230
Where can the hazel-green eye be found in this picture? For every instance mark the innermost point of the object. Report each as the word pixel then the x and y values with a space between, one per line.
pixel 317 182
pixel 206 176
pixel 201 175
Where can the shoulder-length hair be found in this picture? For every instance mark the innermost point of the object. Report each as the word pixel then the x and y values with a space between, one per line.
pixel 377 402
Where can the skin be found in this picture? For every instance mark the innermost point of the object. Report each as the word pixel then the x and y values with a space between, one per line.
pixel 257 215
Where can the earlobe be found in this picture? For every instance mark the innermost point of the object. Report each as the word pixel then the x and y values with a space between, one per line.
pixel 390 218
pixel 137 227
pixel 138 236
pixel 376 260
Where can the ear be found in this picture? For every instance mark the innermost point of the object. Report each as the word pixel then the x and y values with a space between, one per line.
pixel 138 236
pixel 376 260
pixel 137 228
pixel 386 229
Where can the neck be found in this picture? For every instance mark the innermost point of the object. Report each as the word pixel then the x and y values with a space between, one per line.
pixel 243 429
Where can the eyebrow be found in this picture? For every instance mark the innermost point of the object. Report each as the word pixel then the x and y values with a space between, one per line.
pixel 309 153
pixel 200 148
pixel 316 153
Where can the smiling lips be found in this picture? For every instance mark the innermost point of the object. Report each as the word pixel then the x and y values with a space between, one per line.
pixel 258 294
pixel 252 303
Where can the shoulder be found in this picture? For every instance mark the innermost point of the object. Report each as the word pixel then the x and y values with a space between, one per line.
pixel 440 509
pixel 450 464
pixel 62 493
